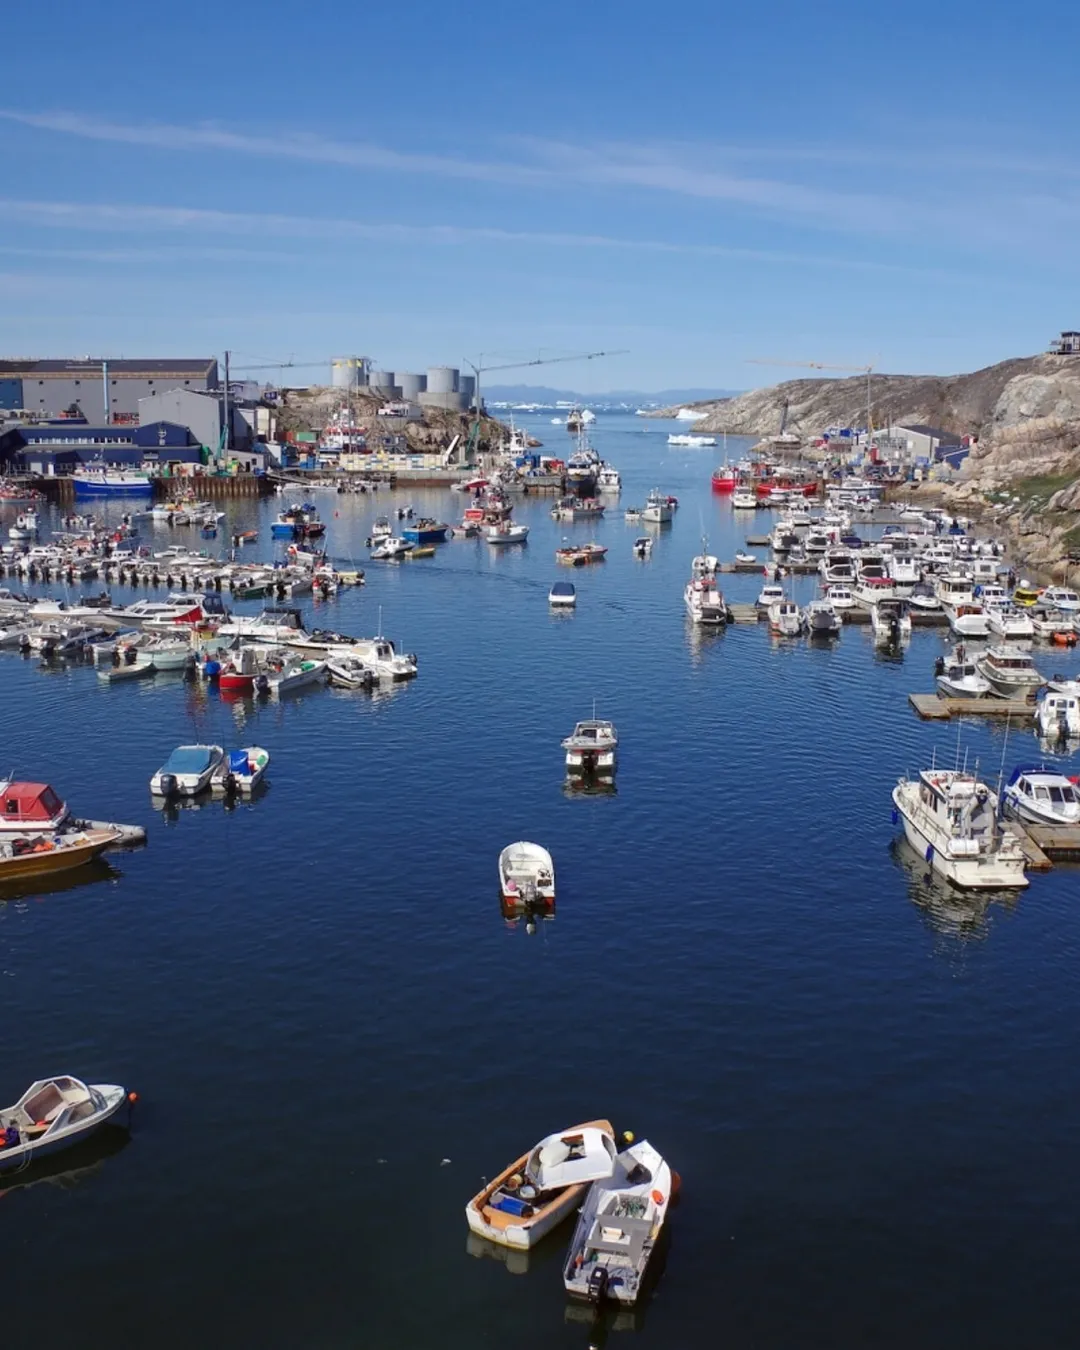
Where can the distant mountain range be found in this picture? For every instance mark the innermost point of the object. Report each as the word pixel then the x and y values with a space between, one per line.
pixel 541 393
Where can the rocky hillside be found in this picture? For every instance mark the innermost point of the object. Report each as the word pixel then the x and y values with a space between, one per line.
pixel 310 410
pixel 1006 395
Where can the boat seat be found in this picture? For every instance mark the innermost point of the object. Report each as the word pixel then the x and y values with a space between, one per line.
pixel 619 1236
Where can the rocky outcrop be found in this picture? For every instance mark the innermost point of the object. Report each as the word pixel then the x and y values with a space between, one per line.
pixel 311 409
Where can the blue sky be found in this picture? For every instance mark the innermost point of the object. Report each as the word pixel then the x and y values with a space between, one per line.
pixel 696 183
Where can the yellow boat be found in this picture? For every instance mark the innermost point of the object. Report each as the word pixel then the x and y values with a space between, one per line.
pixel 1027 595
pixel 52 853
pixel 421 551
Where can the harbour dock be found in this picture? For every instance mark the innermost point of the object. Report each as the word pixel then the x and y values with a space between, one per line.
pixel 743 613
pixel 934 708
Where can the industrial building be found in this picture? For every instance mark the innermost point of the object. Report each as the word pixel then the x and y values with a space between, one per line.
pixel 439 387
pixel 204 413
pixel 1067 343
pixel 58 447
pixel 53 388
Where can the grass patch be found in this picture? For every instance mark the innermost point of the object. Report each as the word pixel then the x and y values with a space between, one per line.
pixel 1037 491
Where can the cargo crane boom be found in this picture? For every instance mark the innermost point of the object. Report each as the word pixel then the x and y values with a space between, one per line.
pixel 868 371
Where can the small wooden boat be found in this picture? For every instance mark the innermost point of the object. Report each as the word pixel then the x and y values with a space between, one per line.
pixel 542 1187
pixel 526 873
pixel 421 551
pixel 21 857
pixel 53 1113
pixel 618 1228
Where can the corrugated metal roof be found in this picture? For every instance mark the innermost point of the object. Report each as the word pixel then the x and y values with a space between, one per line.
pixel 202 366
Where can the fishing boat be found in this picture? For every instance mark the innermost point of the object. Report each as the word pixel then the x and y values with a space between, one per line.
pixel 1012 673
pixel 544 1186
pixel 608 479
pixel 563 595
pixel 237 674
pixel 1057 718
pixel 425 531
pixel 618 1227
pixel 46 853
pixel 958 676
pixel 950 819
pixel 658 509
pixel 823 619
pixel 724 479
pixel 506 532
pixel 242 771
pixel 526 873
pixel 705 603
pixel 1041 795
pixel 97 481
pixel 52 1114
pixel 591 747
pixel 167 655
pixel 187 771
pixel 577 508
pixel 891 621
pixel 347 671
pixel 580 555
pixel 785 618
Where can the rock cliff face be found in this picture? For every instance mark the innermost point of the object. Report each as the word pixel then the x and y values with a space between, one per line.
pixel 1008 394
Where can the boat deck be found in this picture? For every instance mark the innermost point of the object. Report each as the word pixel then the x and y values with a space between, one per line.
pixel 933 708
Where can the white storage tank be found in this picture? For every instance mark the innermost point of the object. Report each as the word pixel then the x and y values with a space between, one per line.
pixel 442 380
pixel 348 372
pixel 411 386
pixel 467 387
pixel 382 380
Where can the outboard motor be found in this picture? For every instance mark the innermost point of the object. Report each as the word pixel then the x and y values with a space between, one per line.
pixel 598 1282
pixel 939 666
pixel 169 785
pixel 894 630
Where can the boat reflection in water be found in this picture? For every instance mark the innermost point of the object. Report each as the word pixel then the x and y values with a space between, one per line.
pixel 950 911
pixel 36 887
pixel 516 1261
pixel 589 785
pixel 71 1166
pixel 516 911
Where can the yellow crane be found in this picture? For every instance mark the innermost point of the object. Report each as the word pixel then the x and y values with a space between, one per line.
pixel 868 371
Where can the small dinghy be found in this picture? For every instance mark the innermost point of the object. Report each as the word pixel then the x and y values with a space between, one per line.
pixel 135 670
pixel 742 557
pixel 526 873
pixel 618 1227
pixel 187 771
pixel 242 771
pixel 53 1113
pixel 542 1187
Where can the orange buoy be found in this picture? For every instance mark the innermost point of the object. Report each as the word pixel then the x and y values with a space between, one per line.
pixel 658 1196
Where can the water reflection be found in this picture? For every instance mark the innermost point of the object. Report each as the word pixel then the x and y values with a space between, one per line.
pixel 949 911
pixel 516 1262
pixel 700 640
pixel 588 785
pixel 72 1166
pixel 36 888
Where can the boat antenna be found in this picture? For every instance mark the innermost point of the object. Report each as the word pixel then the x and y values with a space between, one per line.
pixel 379 633
pixel 1004 747
pixel 959 722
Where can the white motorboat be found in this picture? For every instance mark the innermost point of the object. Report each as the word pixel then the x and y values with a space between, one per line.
pixel 1012 673
pixel 187 771
pixel 526 873
pixel 289 674
pixel 904 574
pixel 704 600
pixel 840 597
pixel 1053 625
pixel 60 639
pixel 785 618
pixel 380 652
pixel 274 624
pixel 542 1187
pixel 591 747
pixel 742 500
pixel 1041 795
pixel 643 547
pixel 390 548
pixel 823 619
pixel 770 594
pixel 242 771
pixel 1057 717
pixel 347 671
pixel 705 564
pixel 958 676
pixel 950 819
pixel 890 621
pixel 578 508
pixel 1006 621
pixel 746 559
pixel 658 509
pixel 922 598
pixel 165 654
pixel 608 479
pixel 1061 597
pixel 618 1228
pixel 967 619
pixel 53 1113
pixel 177 609
pixel 688 442
pixel 563 595
pixel 506 532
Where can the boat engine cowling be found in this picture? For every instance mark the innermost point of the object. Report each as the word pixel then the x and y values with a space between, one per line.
pixel 598 1282
pixel 168 785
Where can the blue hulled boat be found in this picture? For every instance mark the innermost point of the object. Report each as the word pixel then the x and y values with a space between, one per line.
pixel 424 532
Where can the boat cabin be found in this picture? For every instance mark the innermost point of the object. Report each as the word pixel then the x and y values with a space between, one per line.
pixel 1051 794
pixel 30 807
pixel 572 1159
pixel 959 802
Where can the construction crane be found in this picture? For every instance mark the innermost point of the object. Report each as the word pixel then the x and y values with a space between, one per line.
pixel 868 371
pixel 478 368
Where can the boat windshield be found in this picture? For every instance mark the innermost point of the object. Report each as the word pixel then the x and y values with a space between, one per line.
pixel 188 759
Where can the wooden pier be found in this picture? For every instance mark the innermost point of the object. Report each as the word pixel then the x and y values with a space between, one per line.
pixel 933 708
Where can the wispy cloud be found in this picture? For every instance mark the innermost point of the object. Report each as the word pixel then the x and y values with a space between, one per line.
pixel 127 218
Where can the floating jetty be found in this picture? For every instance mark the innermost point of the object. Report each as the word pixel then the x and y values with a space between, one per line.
pixel 742 613
pixel 934 708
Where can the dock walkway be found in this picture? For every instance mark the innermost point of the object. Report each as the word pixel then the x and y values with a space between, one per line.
pixel 933 708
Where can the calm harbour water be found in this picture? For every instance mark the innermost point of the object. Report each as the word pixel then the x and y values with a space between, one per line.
pixel 865 1081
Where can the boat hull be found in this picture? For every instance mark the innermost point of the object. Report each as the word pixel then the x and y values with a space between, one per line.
pixel 23 1155
pixel 967 873
pixel 57 860
pixel 109 488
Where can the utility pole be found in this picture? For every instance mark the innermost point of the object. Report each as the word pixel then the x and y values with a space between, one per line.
pixel 105 389
pixel 226 435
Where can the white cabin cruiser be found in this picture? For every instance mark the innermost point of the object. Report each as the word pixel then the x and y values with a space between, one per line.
pixel 1057 718
pixel 53 1113
pixel 823 619
pixel 389 548
pixel 608 479
pixel 890 621
pixel 1012 673
pixel 958 676
pixel 742 500
pixel 704 600
pixel 506 532
pixel 591 747
pixel 785 618
pixel 275 623
pixel 380 653
pixel 770 594
pixel 618 1228
pixel 526 873
pixel 967 618
pixel 1061 597
pixel 950 819
pixel 922 598
pixel 840 597
pixel 1041 795
pixel 1009 622
pixel 187 771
